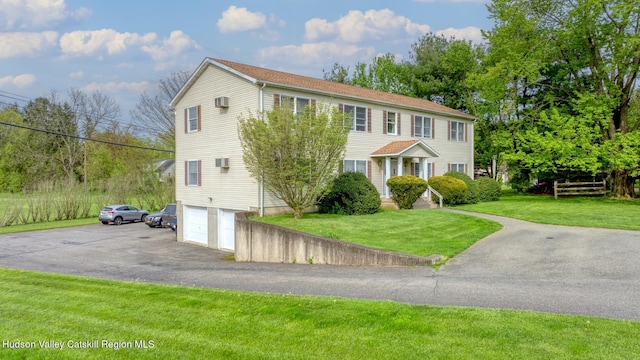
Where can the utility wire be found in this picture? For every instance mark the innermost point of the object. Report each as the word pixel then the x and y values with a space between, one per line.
pixel 84 138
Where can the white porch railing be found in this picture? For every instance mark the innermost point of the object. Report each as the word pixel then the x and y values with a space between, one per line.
pixel 431 191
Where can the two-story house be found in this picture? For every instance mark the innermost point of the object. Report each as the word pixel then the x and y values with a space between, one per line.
pixel 390 135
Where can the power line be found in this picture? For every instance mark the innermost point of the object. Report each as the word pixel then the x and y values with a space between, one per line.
pixel 84 138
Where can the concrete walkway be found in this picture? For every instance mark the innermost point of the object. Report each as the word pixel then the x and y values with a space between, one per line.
pixel 556 269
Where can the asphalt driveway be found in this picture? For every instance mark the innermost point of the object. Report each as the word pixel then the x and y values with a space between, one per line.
pixel 547 268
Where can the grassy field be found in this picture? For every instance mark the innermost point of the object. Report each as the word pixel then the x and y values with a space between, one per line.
pixel 192 323
pixel 417 232
pixel 576 211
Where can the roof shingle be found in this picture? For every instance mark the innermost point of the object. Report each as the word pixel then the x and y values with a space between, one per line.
pixel 330 87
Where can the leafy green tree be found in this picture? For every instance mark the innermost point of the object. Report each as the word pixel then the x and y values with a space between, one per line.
pixel 383 74
pixel 546 54
pixel 294 155
pixel 13 162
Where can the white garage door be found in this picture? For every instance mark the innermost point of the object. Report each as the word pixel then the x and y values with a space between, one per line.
pixel 195 224
pixel 226 229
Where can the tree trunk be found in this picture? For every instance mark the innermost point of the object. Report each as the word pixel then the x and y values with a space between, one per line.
pixel 297 213
pixel 623 184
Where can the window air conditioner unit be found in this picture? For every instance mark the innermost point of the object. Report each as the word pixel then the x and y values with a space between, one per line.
pixel 222 102
pixel 222 162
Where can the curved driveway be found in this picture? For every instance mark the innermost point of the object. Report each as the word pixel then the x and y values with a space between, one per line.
pixel 549 268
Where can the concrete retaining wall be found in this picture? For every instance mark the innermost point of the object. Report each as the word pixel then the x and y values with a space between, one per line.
pixel 269 243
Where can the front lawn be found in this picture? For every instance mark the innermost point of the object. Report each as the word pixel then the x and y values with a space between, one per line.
pixel 596 211
pixel 148 321
pixel 417 232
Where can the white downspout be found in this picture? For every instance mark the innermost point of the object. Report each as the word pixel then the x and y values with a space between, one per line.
pixel 261 189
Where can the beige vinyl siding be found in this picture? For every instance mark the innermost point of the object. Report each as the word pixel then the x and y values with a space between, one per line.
pixel 230 188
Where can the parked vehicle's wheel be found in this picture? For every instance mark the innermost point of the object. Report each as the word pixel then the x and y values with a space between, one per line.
pixel 144 216
pixel 117 221
pixel 105 223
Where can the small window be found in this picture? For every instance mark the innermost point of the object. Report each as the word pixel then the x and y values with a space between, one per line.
pixel 391 123
pixel 456 131
pixel 358 117
pixel 296 104
pixel 355 165
pixel 193 173
pixel 456 167
pixel 192 118
pixel 422 126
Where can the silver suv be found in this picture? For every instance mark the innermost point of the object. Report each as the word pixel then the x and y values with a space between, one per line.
pixel 118 213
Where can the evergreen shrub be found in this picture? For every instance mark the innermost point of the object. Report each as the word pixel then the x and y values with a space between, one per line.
pixel 451 189
pixel 472 194
pixel 406 189
pixel 351 193
pixel 490 189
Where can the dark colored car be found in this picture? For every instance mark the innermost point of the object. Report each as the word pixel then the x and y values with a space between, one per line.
pixel 168 215
pixel 117 214
pixel 155 219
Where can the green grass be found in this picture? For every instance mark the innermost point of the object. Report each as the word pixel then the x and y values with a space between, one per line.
pixel 194 323
pixel 598 211
pixel 417 232
pixel 48 225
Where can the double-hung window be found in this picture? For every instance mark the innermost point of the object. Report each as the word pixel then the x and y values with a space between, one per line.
pixel 391 123
pixel 355 165
pixel 296 104
pixel 192 118
pixel 417 169
pixel 456 131
pixel 358 117
pixel 193 170
pixel 422 126
pixel 456 167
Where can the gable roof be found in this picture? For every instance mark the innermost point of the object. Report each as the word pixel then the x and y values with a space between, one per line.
pixel 259 75
pixel 396 148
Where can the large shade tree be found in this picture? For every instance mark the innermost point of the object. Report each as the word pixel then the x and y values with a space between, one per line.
pixel 550 55
pixel 294 155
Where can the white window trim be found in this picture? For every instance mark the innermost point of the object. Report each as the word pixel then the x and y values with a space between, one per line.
pixel 457 165
pixel 189 183
pixel 294 102
pixel 353 117
pixel 355 165
pixel 395 123
pixel 194 119
pixel 423 120
pixel 459 128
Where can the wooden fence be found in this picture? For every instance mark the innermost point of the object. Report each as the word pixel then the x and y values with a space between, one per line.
pixel 579 188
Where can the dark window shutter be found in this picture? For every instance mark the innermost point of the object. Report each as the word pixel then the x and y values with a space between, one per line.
pixel 448 130
pixel 199 172
pixel 369 120
pixel 276 100
pixel 433 169
pixel 340 107
pixel 384 121
pixel 186 173
pixel 433 128
pixel 186 121
pixel 466 130
pixel 369 169
pixel 413 126
pixel 449 167
pixel 466 168
pixel 398 127
pixel 199 118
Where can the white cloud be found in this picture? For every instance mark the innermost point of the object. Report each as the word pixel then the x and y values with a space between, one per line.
pixel 37 14
pixel 20 81
pixel 472 33
pixel 26 44
pixel 357 26
pixel 177 43
pixel 236 19
pixel 84 43
pixel 317 53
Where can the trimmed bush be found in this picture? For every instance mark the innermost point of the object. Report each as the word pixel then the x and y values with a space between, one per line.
pixel 351 193
pixel 451 189
pixel 472 194
pixel 490 190
pixel 406 189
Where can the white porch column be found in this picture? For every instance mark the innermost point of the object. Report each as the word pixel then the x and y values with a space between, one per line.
pixel 424 168
pixel 387 172
pixel 400 166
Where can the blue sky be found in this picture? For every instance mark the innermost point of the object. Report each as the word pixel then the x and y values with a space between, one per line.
pixel 123 48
